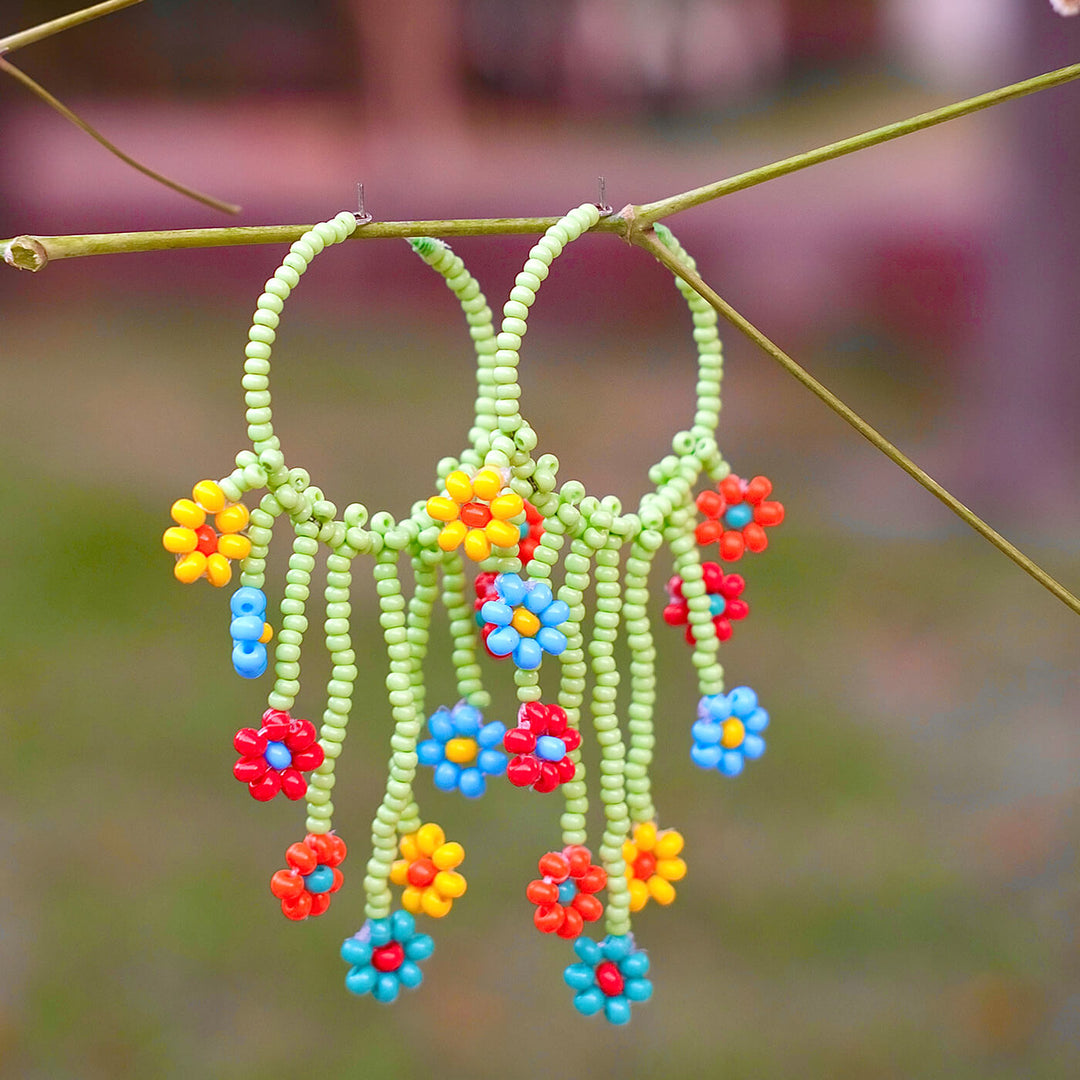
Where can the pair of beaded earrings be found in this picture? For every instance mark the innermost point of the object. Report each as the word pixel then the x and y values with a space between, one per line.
pixel 498 507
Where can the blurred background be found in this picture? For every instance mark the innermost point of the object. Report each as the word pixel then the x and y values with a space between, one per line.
pixel 893 891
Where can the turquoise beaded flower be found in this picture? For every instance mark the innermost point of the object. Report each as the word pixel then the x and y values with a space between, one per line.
pixel 385 955
pixel 522 621
pixel 610 976
pixel 462 749
pixel 728 731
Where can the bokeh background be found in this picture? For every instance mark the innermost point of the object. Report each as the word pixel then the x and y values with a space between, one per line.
pixel 893 890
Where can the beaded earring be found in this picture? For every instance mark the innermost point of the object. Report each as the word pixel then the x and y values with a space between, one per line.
pixel 498 507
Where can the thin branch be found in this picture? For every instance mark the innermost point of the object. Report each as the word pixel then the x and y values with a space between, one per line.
pixel 653 211
pixel 647 239
pixel 65 22
pixel 36 252
pixel 63 110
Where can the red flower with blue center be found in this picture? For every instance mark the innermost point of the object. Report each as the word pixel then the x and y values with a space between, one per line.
pixel 542 742
pixel 725 605
pixel 272 758
pixel 564 896
pixel 305 887
pixel 738 514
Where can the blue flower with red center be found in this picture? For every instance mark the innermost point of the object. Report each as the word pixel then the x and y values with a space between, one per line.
pixel 542 742
pixel 272 758
pixel 723 591
pixel 523 621
pixel 728 731
pixel 609 978
pixel 385 955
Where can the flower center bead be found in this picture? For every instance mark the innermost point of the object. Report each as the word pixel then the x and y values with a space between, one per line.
pixel 733 733
pixel 320 880
pixel 567 892
pixel 421 873
pixel 388 957
pixel 207 540
pixel 277 755
pixel 609 979
pixel 525 622
pixel 738 515
pixel 645 866
pixel 548 748
pixel 717 605
pixel 461 750
pixel 475 515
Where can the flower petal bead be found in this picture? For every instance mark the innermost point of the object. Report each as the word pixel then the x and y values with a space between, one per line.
pixel 728 731
pixel 249 631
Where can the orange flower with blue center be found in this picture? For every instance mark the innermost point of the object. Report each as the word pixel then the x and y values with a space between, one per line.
pixel 652 864
pixel 427 870
pixel 204 550
pixel 738 514
pixel 477 511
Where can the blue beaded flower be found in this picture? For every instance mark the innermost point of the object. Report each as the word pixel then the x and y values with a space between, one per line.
pixel 610 976
pixel 385 956
pixel 249 631
pixel 728 731
pixel 462 749
pixel 523 619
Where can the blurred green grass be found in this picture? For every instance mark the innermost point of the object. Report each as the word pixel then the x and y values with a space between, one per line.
pixel 891 892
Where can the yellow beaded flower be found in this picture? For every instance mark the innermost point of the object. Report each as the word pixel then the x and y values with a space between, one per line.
pixel 427 872
pixel 477 510
pixel 205 550
pixel 652 864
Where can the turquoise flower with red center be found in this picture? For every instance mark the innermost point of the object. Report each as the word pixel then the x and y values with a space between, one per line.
pixel 312 876
pixel 385 955
pixel 738 513
pixel 541 743
pixel 272 758
pixel 610 977
pixel 724 592
pixel 565 896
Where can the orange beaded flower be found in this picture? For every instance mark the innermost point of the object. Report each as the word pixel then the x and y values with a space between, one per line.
pixel 477 511
pixel 427 872
pixel 305 887
pixel 204 550
pixel 652 864
pixel 738 515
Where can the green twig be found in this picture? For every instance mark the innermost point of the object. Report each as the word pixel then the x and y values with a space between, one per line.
pixel 647 239
pixel 64 111
pixel 651 212
pixel 65 22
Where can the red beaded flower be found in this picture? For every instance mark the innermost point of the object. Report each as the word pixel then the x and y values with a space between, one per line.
pixel 723 591
pixel 305 887
pixel 542 742
pixel 272 758
pixel 532 532
pixel 738 515
pixel 564 896
pixel 485 591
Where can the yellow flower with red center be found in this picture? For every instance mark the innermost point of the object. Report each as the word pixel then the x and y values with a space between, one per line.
pixel 426 869
pixel 477 511
pixel 204 550
pixel 652 864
